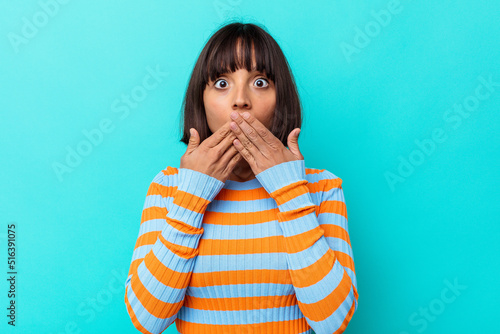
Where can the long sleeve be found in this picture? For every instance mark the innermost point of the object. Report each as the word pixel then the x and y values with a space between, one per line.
pixel 317 242
pixel 167 246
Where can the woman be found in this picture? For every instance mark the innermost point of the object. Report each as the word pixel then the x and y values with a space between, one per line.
pixel 242 237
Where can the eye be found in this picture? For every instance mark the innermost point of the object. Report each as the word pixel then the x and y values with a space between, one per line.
pixel 262 80
pixel 220 80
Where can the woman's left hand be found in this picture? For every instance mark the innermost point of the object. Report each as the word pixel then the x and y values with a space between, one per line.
pixel 259 147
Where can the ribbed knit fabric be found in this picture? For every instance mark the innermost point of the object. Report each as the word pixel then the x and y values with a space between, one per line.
pixel 269 255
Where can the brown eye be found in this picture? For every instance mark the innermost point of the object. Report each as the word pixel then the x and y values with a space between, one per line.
pixel 221 80
pixel 260 80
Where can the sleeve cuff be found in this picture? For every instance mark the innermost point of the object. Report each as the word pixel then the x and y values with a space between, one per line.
pixel 199 184
pixel 281 175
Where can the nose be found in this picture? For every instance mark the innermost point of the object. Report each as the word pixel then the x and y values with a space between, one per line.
pixel 241 99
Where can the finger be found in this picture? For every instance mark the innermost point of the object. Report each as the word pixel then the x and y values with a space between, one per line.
pixel 249 140
pixel 233 161
pixel 218 135
pixel 245 154
pixel 255 130
pixel 226 143
pixel 229 154
pixel 194 140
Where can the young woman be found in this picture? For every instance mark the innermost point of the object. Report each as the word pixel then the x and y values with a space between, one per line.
pixel 242 237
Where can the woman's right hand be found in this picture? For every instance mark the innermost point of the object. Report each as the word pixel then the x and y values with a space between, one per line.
pixel 216 156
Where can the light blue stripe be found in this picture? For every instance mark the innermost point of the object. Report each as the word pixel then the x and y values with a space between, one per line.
pixel 242 290
pixel 334 194
pixel 241 232
pixel 334 219
pixel 146 319
pixel 245 317
pixel 322 288
pixel 352 275
pixel 334 321
pixel 184 215
pixel 153 200
pixel 308 256
pixel 161 291
pixel 316 177
pixel 299 225
pixel 247 185
pixel 300 201
pixel 151 225
pixel 207 263
pixel 140 252
pixel 173 235
pixel 242 206
pixel 174 261
pixel 340 245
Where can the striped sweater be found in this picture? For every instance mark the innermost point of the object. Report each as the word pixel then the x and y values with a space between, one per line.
pixel 268 255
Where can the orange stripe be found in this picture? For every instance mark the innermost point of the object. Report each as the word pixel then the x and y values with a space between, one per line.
pixel 190 202
pixel 136 322
pixel 182 251
pixel 240 303
pixel 336 232
pixel 242 195
pixel 322 309
pixel 134 265
pixel 148 238
pixel 298 243
pixel 153 212
pixel 345 260
pixel 272 244
pixel 290 192
pixel 239 219
pixel 184 227
pixel 247 276
pixel 355 292
pixel 332 183
pixel 296 213
pixel 164 274
pixel 290 326
pixel 302 278
pixel 154 306
pixel 314 171
pixel 337 207
pixel 248 218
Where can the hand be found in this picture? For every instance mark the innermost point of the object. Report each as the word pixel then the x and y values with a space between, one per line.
pixel 259 147
pixel 216 156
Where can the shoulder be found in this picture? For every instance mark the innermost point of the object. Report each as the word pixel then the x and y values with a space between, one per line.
pixel 322 184
pixel 165 181
pixel 322 176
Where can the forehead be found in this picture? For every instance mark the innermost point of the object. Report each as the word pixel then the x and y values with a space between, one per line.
pixel 231 56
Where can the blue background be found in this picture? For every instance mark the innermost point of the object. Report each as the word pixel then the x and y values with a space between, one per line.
pixel 365 111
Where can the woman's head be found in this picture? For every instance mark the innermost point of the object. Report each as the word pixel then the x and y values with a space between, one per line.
pixel 241 68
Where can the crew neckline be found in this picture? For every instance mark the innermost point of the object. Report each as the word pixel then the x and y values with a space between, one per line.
pixel 243 184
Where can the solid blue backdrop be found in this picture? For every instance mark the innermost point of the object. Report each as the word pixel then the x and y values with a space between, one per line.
pixel 401 101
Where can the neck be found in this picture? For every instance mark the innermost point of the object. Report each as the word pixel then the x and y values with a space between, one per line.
pixel 242 172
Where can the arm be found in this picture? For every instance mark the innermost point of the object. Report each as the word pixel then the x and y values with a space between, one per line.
pixel 166 248
pixel 318 246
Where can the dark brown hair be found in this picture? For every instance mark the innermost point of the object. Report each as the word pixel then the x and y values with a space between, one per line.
pixel 219 57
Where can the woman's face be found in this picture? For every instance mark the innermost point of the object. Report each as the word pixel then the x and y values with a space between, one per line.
pixel 239 91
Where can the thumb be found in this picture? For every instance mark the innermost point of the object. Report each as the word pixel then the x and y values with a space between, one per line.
pixel 194 140
pixel 293 143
